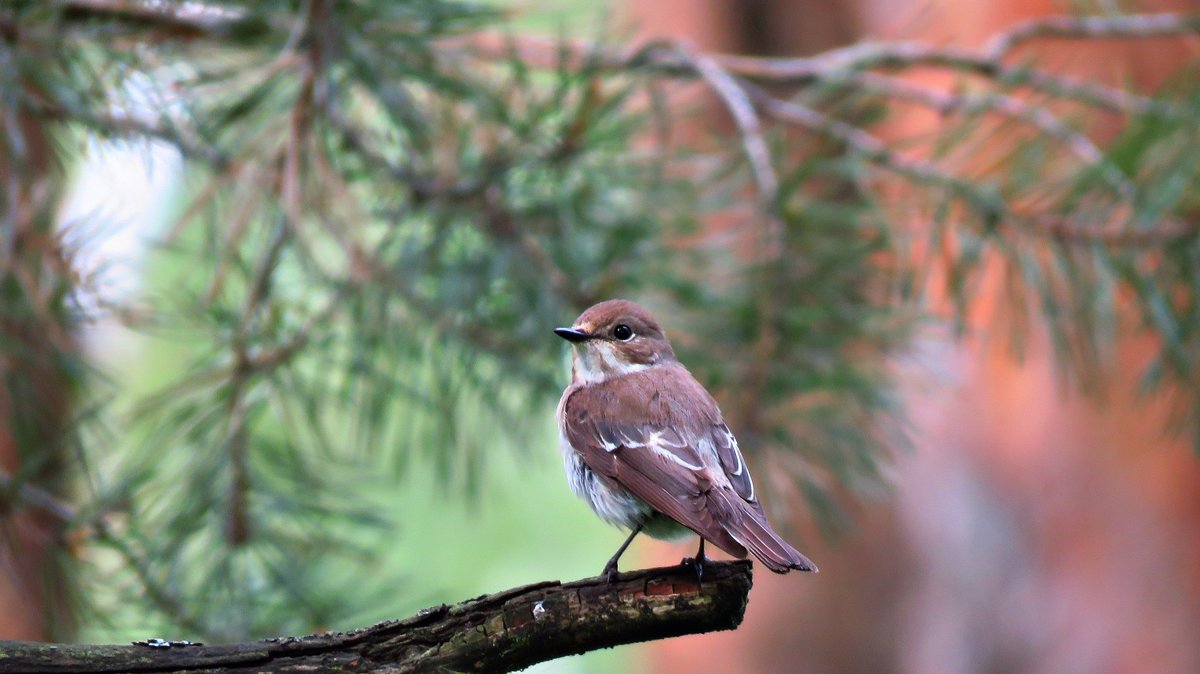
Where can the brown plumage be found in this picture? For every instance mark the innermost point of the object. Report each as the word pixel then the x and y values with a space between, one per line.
pixel 645 444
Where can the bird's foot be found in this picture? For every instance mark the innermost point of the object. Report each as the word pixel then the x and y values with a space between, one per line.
pixel 610 573
pixel 697 563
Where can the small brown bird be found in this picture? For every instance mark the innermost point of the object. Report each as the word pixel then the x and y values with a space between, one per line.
pixel 645 445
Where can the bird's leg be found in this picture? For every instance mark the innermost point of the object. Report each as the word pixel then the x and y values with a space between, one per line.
pixel 697 562
pixel 610 569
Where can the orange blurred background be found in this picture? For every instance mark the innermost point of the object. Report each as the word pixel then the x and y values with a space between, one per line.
pixel 1031 530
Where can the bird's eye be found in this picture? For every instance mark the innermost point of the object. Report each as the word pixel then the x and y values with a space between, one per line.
pixel 623 332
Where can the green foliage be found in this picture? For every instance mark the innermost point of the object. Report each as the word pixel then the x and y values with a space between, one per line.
pixel 378 237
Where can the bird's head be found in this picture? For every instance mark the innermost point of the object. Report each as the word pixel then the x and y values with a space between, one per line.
pixel 614 338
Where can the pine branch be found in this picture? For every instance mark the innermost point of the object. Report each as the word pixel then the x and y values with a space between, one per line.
pixel 1092 27
pixel 501 632
pixel 736 80
pixel 19 491
pixel 745 116
pixel 202 21
pixel 750 85
pixel 1165 231
pixel 947 103
pixel 165 20
pixel 666 57
pixel 67 516
pixel 739 93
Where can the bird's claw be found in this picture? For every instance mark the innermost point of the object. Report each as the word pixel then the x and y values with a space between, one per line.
pixel 610 573
pixel 697 564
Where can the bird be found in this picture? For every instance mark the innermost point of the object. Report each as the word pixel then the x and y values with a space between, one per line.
pixel 645 445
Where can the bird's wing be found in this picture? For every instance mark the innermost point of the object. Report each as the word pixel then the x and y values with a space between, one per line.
pixel 750 526
pixel 661 437
pixel 732 462
pixel 653 461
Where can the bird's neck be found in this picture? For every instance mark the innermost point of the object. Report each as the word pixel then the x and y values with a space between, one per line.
pixel 602 363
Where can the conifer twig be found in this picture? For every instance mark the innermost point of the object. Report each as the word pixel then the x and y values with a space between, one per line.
pixel 68 516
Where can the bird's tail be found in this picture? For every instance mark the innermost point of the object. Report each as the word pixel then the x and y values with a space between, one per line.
pixel 752 531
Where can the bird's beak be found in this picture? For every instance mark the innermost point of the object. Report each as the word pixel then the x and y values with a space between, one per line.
pixel 572 335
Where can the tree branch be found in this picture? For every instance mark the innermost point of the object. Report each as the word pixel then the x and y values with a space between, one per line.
pixel 494 633
pixel 745 116
pixel 168 21
pixel 15 492
pixel 988 63
pixel 1092 27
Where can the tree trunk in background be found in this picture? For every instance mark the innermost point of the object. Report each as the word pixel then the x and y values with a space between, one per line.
pixel 1030 531
pixel 36 349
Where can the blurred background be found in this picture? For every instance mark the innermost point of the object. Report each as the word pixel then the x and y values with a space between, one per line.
pixel 278 279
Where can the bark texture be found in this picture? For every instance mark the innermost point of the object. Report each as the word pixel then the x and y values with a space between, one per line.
pixel 494 633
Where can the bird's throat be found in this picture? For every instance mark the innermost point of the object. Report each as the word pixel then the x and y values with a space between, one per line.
pixel 597 362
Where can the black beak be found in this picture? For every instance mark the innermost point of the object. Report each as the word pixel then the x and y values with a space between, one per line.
pixel 572 335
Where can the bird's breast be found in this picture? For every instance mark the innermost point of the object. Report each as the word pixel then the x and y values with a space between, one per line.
pixel 611 502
